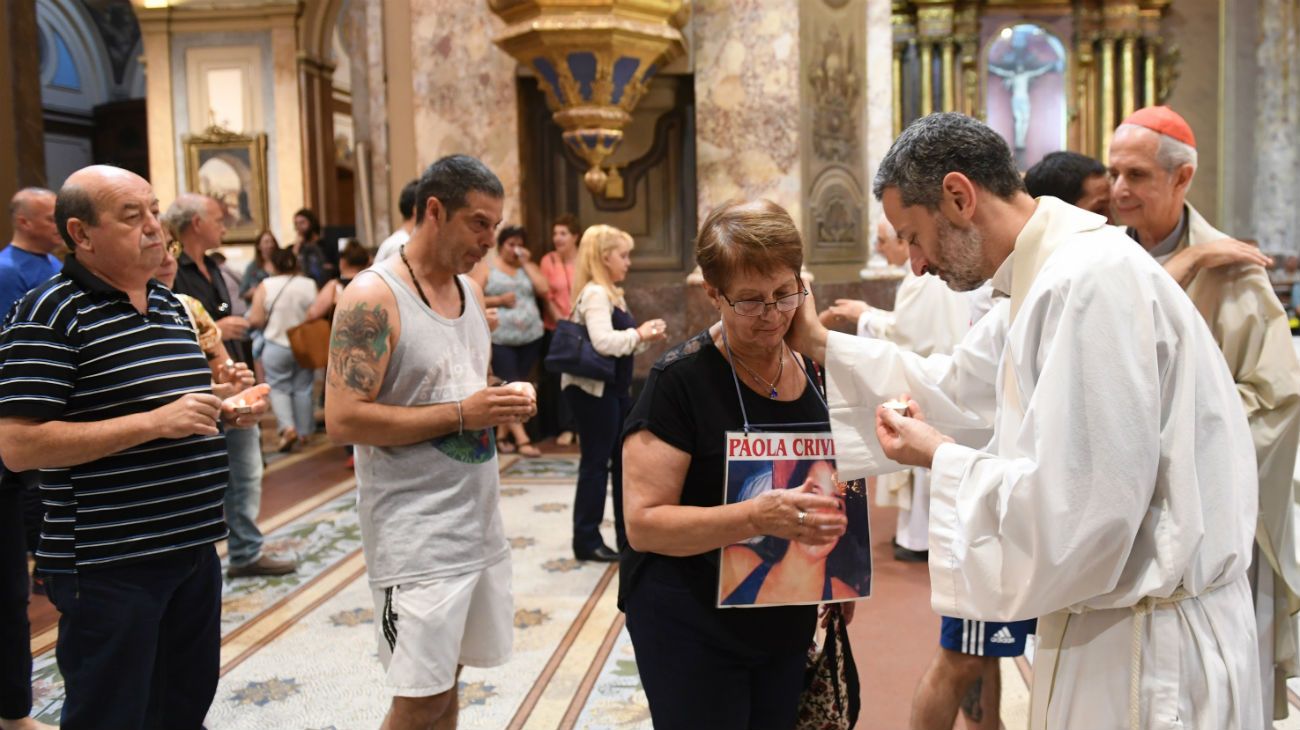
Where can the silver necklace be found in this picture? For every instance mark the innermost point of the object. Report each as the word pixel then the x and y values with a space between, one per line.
pixel 780 368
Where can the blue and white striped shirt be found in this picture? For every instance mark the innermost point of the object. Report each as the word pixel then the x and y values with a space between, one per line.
pixel 76 349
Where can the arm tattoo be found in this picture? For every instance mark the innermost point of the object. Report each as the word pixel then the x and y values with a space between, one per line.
pixel 359 340
pixel 970 704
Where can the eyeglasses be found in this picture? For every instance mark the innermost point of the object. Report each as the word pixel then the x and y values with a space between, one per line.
pixel 756 308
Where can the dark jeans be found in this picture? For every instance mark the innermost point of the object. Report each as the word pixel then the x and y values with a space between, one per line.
pixel 515 362
pixel 15 632
pixel 600 432
pixel 697 675
pixel 140 644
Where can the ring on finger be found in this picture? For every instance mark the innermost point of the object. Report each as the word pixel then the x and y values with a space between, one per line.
pixel 802 516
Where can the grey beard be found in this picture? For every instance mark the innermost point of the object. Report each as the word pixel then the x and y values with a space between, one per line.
pixel 962 251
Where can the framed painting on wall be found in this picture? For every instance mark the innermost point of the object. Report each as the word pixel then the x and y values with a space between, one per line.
pixel 230 168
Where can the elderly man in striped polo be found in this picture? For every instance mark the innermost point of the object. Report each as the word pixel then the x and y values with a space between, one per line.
pixel 103 388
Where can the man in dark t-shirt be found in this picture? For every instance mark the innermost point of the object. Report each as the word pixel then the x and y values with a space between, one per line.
pixel 196 221
pixel 103 388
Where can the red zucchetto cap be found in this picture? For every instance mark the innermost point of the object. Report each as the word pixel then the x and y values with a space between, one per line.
pixel 1164 120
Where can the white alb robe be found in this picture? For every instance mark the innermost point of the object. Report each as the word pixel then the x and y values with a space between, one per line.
pixel 1117 499
pixel 927 318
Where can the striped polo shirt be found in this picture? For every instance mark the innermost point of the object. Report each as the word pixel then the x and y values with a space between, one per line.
pixel 76 349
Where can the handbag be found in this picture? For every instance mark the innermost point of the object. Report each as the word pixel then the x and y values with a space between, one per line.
pixel 832 696
pixel 310 342
pixel 572 352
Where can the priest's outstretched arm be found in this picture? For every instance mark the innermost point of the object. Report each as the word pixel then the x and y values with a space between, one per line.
pixel 957 390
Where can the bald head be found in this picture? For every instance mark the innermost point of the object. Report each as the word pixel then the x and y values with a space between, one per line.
pixel 22 200
pixel 889 245
pixel 109 216
pixel 32 213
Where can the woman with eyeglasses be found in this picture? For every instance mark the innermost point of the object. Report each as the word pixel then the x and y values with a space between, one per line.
pixel 604 257
pixel 701 665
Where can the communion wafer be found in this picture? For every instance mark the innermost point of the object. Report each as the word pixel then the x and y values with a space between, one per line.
pixel 897 406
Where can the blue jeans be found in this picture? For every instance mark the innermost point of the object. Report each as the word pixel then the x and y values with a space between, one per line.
pixel 290 389
pixel 140 643
pixel 244 494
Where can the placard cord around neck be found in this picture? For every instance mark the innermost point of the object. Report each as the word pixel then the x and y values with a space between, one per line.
pixel 744 414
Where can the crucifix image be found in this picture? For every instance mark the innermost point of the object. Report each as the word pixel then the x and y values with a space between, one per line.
pixel 1017 79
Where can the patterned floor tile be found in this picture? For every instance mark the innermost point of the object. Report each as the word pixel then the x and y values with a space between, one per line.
pixel 318 540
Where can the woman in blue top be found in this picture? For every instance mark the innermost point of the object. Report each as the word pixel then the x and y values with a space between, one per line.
pixel 513 284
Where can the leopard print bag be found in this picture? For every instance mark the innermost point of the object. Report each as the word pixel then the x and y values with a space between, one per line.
pixel 832 695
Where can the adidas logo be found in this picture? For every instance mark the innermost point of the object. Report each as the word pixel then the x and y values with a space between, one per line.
pixel 1002 636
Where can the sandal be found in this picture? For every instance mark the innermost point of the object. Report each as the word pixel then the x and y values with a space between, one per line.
pixel 505 447
pixel 564 439
pixel 288 437
pixel 527 449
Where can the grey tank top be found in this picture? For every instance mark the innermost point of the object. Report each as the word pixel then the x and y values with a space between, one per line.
pixel 431 510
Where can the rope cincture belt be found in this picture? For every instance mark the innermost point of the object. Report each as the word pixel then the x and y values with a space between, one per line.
pixel 1141 610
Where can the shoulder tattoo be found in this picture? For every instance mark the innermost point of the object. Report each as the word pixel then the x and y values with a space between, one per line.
pixel 358 341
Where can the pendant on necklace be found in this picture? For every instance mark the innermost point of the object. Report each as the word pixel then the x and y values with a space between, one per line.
pixel 773 394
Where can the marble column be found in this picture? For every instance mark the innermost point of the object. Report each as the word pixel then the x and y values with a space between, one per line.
pixel 747 102
pixel 316 95
pixel 463 88
pixel 880 111
pixel 365 39
pixel 1276 217
pixel 288 149
pixel 155 37
pixel 22 150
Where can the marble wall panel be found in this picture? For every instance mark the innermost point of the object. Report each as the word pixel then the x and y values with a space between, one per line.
pixel 832 36
pixel 464 91
pixel 1240 113
pixel 747 102
pixel 1276 217
pixel 1194 27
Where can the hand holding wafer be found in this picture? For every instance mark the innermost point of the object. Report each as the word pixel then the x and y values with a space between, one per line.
pixel 244 409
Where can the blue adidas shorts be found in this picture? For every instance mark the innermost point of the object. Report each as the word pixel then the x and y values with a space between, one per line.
pixel 985 638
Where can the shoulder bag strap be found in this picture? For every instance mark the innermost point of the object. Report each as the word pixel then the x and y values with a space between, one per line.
pixel 277 298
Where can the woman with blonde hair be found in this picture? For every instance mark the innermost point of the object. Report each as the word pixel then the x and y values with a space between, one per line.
pixel 604 257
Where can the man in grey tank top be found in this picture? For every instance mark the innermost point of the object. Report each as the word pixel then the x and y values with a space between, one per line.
pixel 407 383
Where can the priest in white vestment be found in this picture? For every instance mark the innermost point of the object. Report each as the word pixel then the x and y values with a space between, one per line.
pixel 1152 164
pixel 1117 499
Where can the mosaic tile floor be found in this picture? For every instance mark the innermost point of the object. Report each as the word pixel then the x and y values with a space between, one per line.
pixel 322 671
